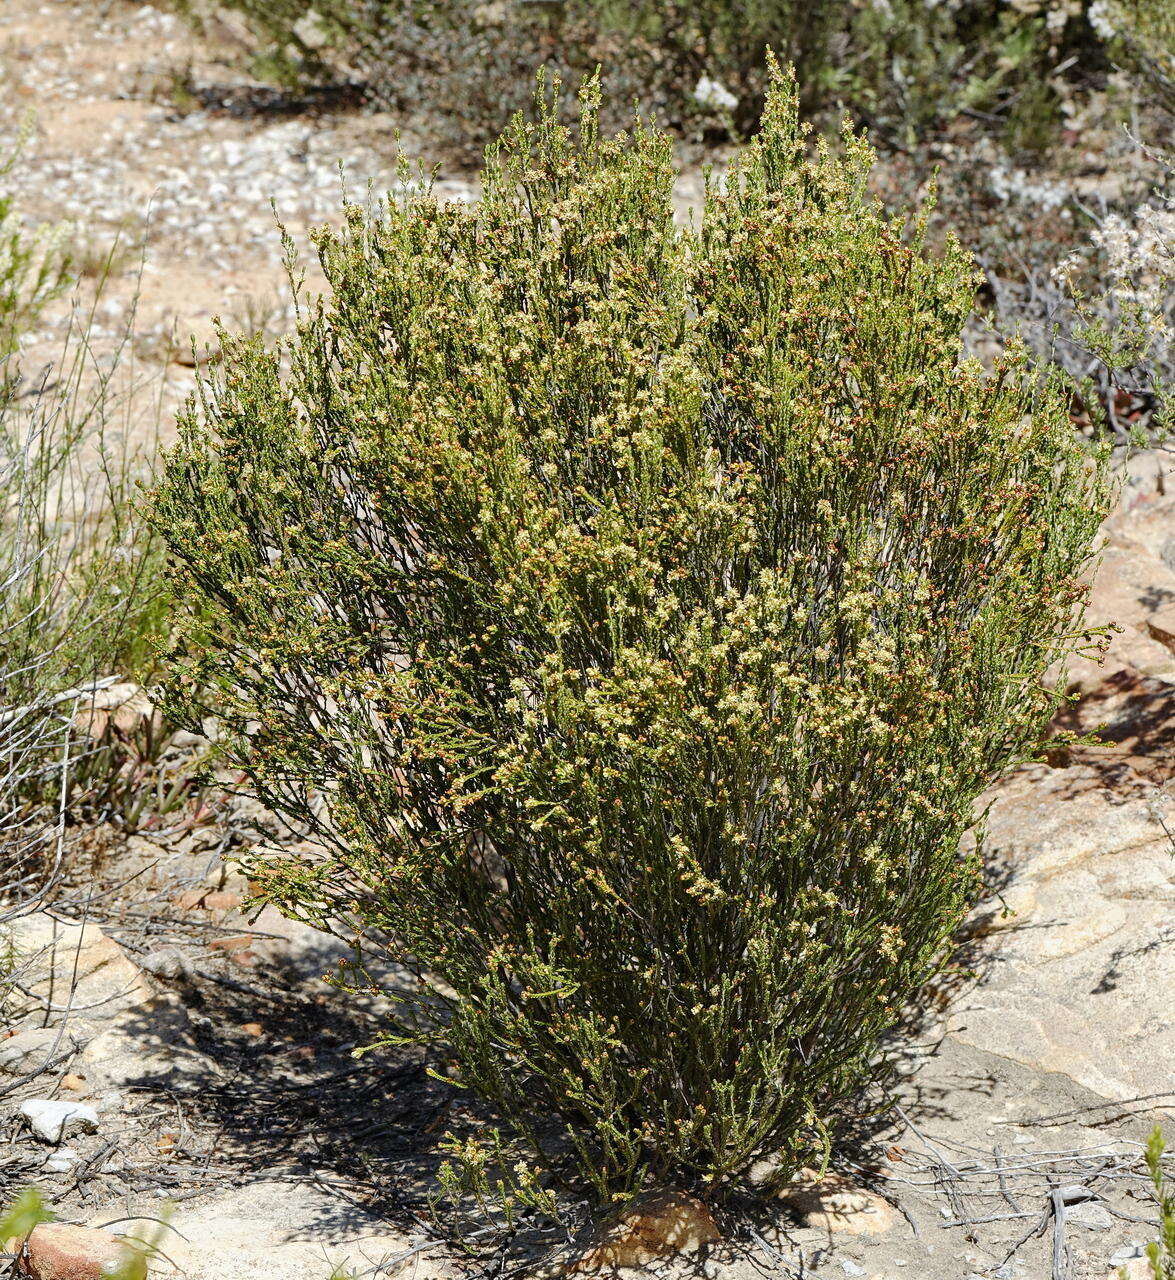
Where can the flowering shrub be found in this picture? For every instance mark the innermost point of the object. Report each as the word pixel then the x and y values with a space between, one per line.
pixel 632 615
pixel 1124 331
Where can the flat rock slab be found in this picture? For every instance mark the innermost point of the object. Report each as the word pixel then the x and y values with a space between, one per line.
pixel 84 991
pixel 75 970
pixel 658 1227
pixel 1079 974
pixel 275 1231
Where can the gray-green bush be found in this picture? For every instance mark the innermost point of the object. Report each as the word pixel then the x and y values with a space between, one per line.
pixel 634 615
pixel 466 68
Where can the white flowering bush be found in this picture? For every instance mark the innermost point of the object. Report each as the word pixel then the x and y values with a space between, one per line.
pixel 1127 324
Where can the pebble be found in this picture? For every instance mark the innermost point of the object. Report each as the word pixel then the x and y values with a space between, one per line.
pixel 34 1048
pixel 1091 1215
pixel 1127 1254
pixel 167 962
pixel 52 1119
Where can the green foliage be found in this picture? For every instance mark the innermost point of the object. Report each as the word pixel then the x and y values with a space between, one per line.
pixel 474 64
pixel 22 1215
pixel 918 63
pixel 727 39
pixel 634 615
pixel 1161 1252
pixel 490 1171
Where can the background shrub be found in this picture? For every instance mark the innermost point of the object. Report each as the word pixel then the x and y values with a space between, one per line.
pixel 918 64
pixel 1142 32
pixel 468 67
pixel 905 65
pixel 634 615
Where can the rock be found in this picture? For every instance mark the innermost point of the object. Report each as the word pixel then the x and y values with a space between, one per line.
pixel 53 1119
pixel 1161 626
pixel 122 707
pixel 1134 717
pixel 76 970
pixel 656 1226
pixel 305 954
pixel 836 1204
pixel 62 1251
pixel 221 900
pixel 79 976
pixel 712 93
pixel 1091 1215
pixel 34 1048
pixel 137 1048
pixel 1134 585
pixel 308 953
pixel 311 30
pixel 1077 979
pixel 61 1161
pixel 167 962
pixel 1136 1269
pixel 1133 1258
pixel 207 900
pixel 275 1230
